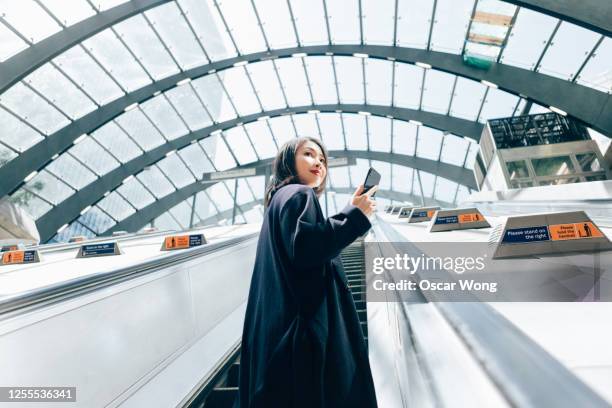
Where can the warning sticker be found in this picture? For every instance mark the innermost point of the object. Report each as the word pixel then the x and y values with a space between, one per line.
pixel 18 257
pixel 470 217
pixel 430 213
pixel 183 241
pixel 562 232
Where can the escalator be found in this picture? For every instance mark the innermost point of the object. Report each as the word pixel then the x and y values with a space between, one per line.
pixel 222 390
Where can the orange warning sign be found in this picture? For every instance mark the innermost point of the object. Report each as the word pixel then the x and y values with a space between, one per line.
pixel 562 232
pixel 13 257
pixel 431 213
pixel 470 217
pixel 176 242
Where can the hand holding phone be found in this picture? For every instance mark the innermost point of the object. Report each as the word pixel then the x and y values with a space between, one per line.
pixel 372 179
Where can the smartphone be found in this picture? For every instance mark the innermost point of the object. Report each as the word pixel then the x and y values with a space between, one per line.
pixel 372 179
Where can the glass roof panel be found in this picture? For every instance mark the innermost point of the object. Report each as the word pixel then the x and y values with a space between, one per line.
pixel 174 168
pixel 597 72
pixel 428 145
pixel 427 181
pixel 310 21
pixel 262 139
pixel 404 137
pixel 57 88
pixel 257 186
pixel 445 190
pixel 182 213
pixel 143 42
pixel 69 11
pixel 106 4
pixel 306 125
pixel 160 112
pixel 293 78
pixel 10 44
pixel 240 90
pixel 569 50
pixel 115 206
pixel 437 93
pixel 186 102
pixel 167 222
pixel 343 21
pixel 462 193
pixel 413 23
pixel 282 129
pixel 15 133
pixel 133 191
pixel 331 131
pixel 117 60
pixel 239 143
pixel 528 38
pixel 378 21
pixel 34 205
pixel 74 229
pixel 243 26
pixel 214 97
pixel 219 193
pixel 85 72
pixel 454 149
pixel 378 81
pixel 155 181
pixel 49 187
pixel 359 171
pixel 380 133
pixel 536 108
pixel 116 141
pixel 196 160
pixel 176 34
pixel 408 83
pixel 276 22
pixel 321 74
pixel 266 85
pixel 471 157
pixel 6 155
pixel 450 25
pixel 467 98
pixel 244 194
pixel 140 129
pixel 70 171
pixel 203 206
pixel 218 152
pixel 209 28
pixel 253 216
pixel 355 128
pixel 96 220
pixel 499 104
pixel 402 179
pixel 339 177
pixel 384 168
pixel 350 79
pixel 94 156
pixel 29 19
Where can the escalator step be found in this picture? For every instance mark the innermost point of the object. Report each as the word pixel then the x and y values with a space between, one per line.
pixel 222 397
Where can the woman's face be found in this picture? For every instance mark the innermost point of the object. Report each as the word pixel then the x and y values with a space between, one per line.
pixel 310 164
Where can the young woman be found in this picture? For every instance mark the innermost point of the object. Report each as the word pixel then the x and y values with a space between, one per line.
pixel 302 344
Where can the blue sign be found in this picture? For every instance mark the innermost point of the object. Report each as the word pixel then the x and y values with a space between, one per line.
pixel 29 256
pixel 526 234
pixel 98 249
pixel 419 214
pixel 451 219
pixel 195 240
pixel 7 248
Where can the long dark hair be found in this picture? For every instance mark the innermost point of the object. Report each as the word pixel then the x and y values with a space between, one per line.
pixel 283 168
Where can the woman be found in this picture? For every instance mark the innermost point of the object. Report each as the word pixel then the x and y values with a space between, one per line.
pixel 302 344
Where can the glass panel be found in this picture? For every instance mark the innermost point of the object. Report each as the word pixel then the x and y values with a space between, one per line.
pixel 306 125
pixel 529 35
pixel 155 181
pixel 111 53
pixel 140 129
pixel 257 186
pixel 94 156
pixel 209 28
pixel 204 207
pixel 29 202
pixel 159 111
pixel 96 220
pixel 331 131
pixel 10 44
pixel 499 104
pixel 49 187
pixel 402 179
pixel 429 142
pixel 73 230
pixel 116 141
pixel 87 73
pixel 384 168
pixel 343 21
pixel 427 180
pixel 600 177
pixel 413 23
pixel 182 213
pixel 69 11
pixel 535 108
pixel 276 22
pixel 438 88
pixel 293 79
pixel 310 21
pixel 350 79
pixel 219 193
pixel 570 48
pixel 58 89
pixel 467 99
pixel 240 90
pixel 70 171
pixel 133 191
pixel 378 81
pixel 517 169
pixel 29 19
pixel 196 160
pixel 594 73
pixel 521 184
pixel 282 129
pixel 404 137
pixel 450 25
pixel 32 108
pixel 214 97
pixel 240 145
pixel 177 35
pixel 218 152
pixel 378 21
pixel 166 222
pixel 588 162
pixel 143 42
pixel 552 166
pixel 321 74
pixel 462 194
pixel 185 101
pixel 253 216
pixel 262 139
pixel 6 155
pixel 559 181
pixel 359 172
pixel 339 177
pixel 243 26
pixel 15 133
pixel 355 128
pixel 116 207
pixel 471 158
pixel 106 4
pixel 408 84
pixel 445 190
pixel 175 169
pixel 380 133
pixel 454 149
pixel 244 194
pixel 266 85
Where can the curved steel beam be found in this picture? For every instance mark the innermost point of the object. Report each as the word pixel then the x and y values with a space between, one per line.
pixel 70 209
pixel 594 15
pixel 21 65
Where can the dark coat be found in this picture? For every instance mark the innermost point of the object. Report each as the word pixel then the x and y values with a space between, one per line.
pixel 302 344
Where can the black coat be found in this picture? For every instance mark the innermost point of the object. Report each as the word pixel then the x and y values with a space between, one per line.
pixel 302 344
